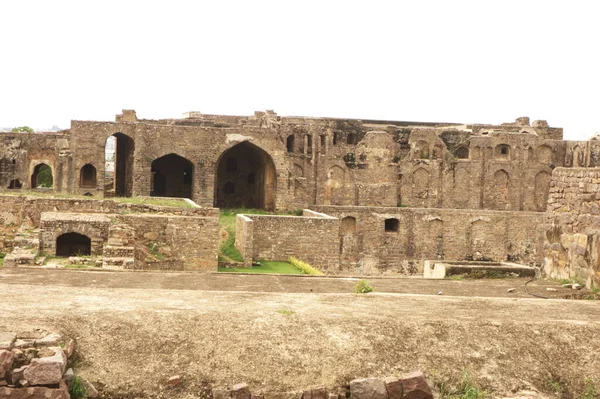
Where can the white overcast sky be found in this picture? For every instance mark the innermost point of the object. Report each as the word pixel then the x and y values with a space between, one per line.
pixel 446 61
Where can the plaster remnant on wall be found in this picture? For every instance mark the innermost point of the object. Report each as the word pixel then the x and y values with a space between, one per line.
pixel 237 138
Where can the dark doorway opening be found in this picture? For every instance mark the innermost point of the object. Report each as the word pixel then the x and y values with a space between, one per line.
pixel 253 182
pixel 118 178
pixel 87 176
pixel 14 184
pixel 73 244
pixel 172 176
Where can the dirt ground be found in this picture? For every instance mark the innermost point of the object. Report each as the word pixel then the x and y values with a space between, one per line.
pixel 282 334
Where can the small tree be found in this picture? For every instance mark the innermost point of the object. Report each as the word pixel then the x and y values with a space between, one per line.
pixel 22 129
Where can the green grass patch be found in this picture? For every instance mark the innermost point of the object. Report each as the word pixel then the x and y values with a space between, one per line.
pixel 2 255
pixel 266 267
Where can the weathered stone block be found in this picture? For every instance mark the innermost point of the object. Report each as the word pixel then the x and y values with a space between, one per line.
pixel 415 386
pixel 46 370
pixel 393 385
pixel 367 388
pixel 6 361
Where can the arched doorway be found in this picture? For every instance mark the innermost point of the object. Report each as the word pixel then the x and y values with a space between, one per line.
pixel 245 178
pixel 73 244
pixel 118 158
pixel 42 176
pixel 172 176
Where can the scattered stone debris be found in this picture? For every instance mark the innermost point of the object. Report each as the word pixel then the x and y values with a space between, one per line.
pixel 33 364
pixel 551 289
pixel 511 290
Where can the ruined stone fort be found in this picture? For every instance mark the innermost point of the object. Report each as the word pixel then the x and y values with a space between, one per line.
pixel 377 197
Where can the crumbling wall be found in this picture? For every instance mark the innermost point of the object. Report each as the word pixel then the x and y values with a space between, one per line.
pixel 572 225
pixel 397 240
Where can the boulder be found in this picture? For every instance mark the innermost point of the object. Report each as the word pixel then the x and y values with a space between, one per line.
pixel 6 361
pixel 221 393
pixel 367 388
pixel 393 385
pixel 47 370
pixel 415 386
pixel 6 340
pixel 240 391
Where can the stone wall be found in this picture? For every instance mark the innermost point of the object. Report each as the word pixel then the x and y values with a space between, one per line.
pixel 293 162
pixel 397 240
pixel 572 225
pixel 174 242
pixel 311 238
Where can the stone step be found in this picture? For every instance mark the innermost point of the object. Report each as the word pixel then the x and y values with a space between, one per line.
pixel 19 259
pixel 118 251
pixel 118 262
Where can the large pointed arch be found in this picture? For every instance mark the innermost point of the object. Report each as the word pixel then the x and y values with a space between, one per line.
pixel 251 184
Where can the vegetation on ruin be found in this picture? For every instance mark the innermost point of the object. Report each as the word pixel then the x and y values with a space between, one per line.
pixel 305 267
pixel 77 266
pixel 264 267
pixel 483 273
pixel 78 389
pixel 2 255
pixel 154 248
pixel 175 203
pixel 363 287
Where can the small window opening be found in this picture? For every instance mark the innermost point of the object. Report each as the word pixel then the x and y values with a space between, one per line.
pixel 351 139
pixel 335 138
pixel 392 225
pixel 462 153
pixel 323 142
pixel 309 144
pixel 504 150
pixel 290 143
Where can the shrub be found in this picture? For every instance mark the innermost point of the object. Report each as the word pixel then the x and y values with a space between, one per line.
pixel 363 287
pixel 78 389
pixel 305 267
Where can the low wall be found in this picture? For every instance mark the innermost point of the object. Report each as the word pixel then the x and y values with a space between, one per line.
pixel 572 225
pixel 191 242
pixel 419 234
pixel 14 208
pixel 312 238
pixel 54 224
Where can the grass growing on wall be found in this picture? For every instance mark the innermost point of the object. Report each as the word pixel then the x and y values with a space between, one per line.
pixel 2 255
pixel 266 267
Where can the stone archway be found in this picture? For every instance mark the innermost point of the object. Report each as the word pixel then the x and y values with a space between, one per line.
pixel 73 244
pixel 245 178
pixel 42 176
pixel 172 176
